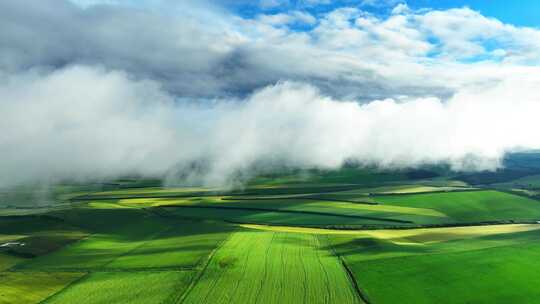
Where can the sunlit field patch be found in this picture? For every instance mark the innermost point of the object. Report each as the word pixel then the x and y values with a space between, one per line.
pixel 33 287
pixel 274 267
pixel 126 287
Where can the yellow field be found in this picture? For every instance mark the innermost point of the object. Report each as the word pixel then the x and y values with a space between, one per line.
pixel 155 202
pixel 382 208
pixel 101 205
pixel 421 189
pixel 410 236
pixel 9 238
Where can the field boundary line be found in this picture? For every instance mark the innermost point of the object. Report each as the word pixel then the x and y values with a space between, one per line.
pixel 360 228
pixel 312 197
pixel 21 266
pixel 92 197
pixel 244 270
pixel 327 277
pixel 305 281
pixel 380 219
pixel 265 268
pixel 181 298
pixel 144 242
pixel 350 275
pixel 516 193
pixel 97 197
pixel 71 284
pixel 461 251
pixel 105 269
pixel 381 194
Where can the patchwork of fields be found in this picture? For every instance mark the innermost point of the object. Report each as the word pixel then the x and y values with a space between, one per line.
pixel 491 269
pixel 328 240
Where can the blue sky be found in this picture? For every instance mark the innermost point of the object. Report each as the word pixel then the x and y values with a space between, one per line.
pixel 521 13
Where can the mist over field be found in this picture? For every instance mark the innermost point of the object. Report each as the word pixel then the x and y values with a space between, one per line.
pixel 84 122
pixel 208 95
pixel 269 151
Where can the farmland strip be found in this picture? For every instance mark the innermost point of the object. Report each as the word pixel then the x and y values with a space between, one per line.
pixel 265 271
pixel 311 197
pixel 326 277
pixel 79 280
pixel 293 212
pixel 194 282
pixel 361 295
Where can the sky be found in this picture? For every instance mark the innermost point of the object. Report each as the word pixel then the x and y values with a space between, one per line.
pixel 214 92
pixel 521 13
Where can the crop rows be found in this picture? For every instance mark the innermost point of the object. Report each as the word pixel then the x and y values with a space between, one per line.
pixel 272 267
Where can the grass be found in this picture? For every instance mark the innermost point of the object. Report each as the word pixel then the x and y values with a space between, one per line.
pixel 185 245
pixel 416 215
pixel 126 287
pixel 32 287
pixel 360 246
pixel 274 217
pixel 43 243
pixel 489 269
pixel 105 217
pixel 7 261
pixel 155 191
pixel 92 253
pixel 273 267
pixel 420 235
pixel 529 185
pixel 482 264
pixel 114 231
pixel 131 238
pixel 39 235
pixel 302 211
pixel 129 246
pixel 29 224
pixel 343 176
pixel 470 206
pixel 119 233
pixel 397 189
pixel 43 195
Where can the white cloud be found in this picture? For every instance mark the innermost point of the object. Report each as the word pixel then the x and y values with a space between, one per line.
pixel 282 19
pixel 267 4
pixel 148 92
pixel 198 51
pixel 103 124
pixel 401 8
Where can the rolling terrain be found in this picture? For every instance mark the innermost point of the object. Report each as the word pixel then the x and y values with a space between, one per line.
pixel 344 237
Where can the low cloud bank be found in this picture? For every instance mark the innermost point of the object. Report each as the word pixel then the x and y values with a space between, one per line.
pixel 83 122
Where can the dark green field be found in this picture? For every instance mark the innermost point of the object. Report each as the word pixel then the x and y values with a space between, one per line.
pixel 351 236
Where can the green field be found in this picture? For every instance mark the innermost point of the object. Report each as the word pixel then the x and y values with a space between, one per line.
pixel 185 245
pixel 32 287
pixel 322 237
pixel 273 267
pixel 500 268
pixel 470 206
pixel 126 287
pixel 130 239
